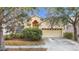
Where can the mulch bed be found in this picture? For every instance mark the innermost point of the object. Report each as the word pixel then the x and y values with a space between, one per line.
pixel 18 42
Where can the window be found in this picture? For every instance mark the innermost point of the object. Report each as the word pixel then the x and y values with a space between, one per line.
pixel 35 23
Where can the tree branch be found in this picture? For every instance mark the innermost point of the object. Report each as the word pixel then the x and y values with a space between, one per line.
pixel 76 17
pixel 70 20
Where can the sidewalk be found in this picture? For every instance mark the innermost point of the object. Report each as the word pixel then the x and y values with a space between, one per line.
pixel 39 46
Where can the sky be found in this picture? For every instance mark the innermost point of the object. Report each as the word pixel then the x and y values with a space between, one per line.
pixel 42 12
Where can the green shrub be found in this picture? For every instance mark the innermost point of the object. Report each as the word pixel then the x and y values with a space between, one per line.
pixel 18 36
pixel 11 36
pixel 68 35
pixel 7 37
pixel 33 34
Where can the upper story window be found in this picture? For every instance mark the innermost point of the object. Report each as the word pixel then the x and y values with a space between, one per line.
pixel 35 23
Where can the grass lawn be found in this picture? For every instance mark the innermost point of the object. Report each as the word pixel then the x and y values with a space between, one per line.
pixel 22 42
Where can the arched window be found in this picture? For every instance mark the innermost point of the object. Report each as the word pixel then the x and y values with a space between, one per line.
pixel 35 23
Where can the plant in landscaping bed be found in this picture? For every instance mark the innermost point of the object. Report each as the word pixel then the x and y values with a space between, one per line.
pixel 7 37
pixel 68 35
pixel 13 36
pixel 18 35
pixel 33 34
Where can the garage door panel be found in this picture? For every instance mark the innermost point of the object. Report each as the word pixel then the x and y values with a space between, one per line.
pixel 52 33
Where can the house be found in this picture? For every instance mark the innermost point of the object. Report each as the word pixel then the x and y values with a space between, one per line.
pixel 44 25
pixel 36 21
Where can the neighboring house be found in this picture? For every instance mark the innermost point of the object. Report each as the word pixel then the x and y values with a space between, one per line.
pixel 35 21
pixel 69 28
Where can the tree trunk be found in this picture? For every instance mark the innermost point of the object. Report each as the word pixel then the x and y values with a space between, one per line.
pixel 75 32
pixel 51 26
pixel 1 38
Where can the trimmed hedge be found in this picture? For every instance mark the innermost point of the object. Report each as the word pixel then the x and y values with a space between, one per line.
pixel 18 36
pixel 7 37
pixel 33 34
pixel 68 35
pixel 11 36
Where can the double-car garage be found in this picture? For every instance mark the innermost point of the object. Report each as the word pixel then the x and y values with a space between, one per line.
pixel 55 32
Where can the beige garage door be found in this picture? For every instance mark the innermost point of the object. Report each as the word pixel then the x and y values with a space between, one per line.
pixel 52 33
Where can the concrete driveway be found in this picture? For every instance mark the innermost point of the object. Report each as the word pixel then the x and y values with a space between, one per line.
pixel 54 44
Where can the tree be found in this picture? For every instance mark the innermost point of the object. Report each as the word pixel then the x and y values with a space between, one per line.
pixel 52 17
pixel 53 21
pixel 9 17
pixel 67 15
